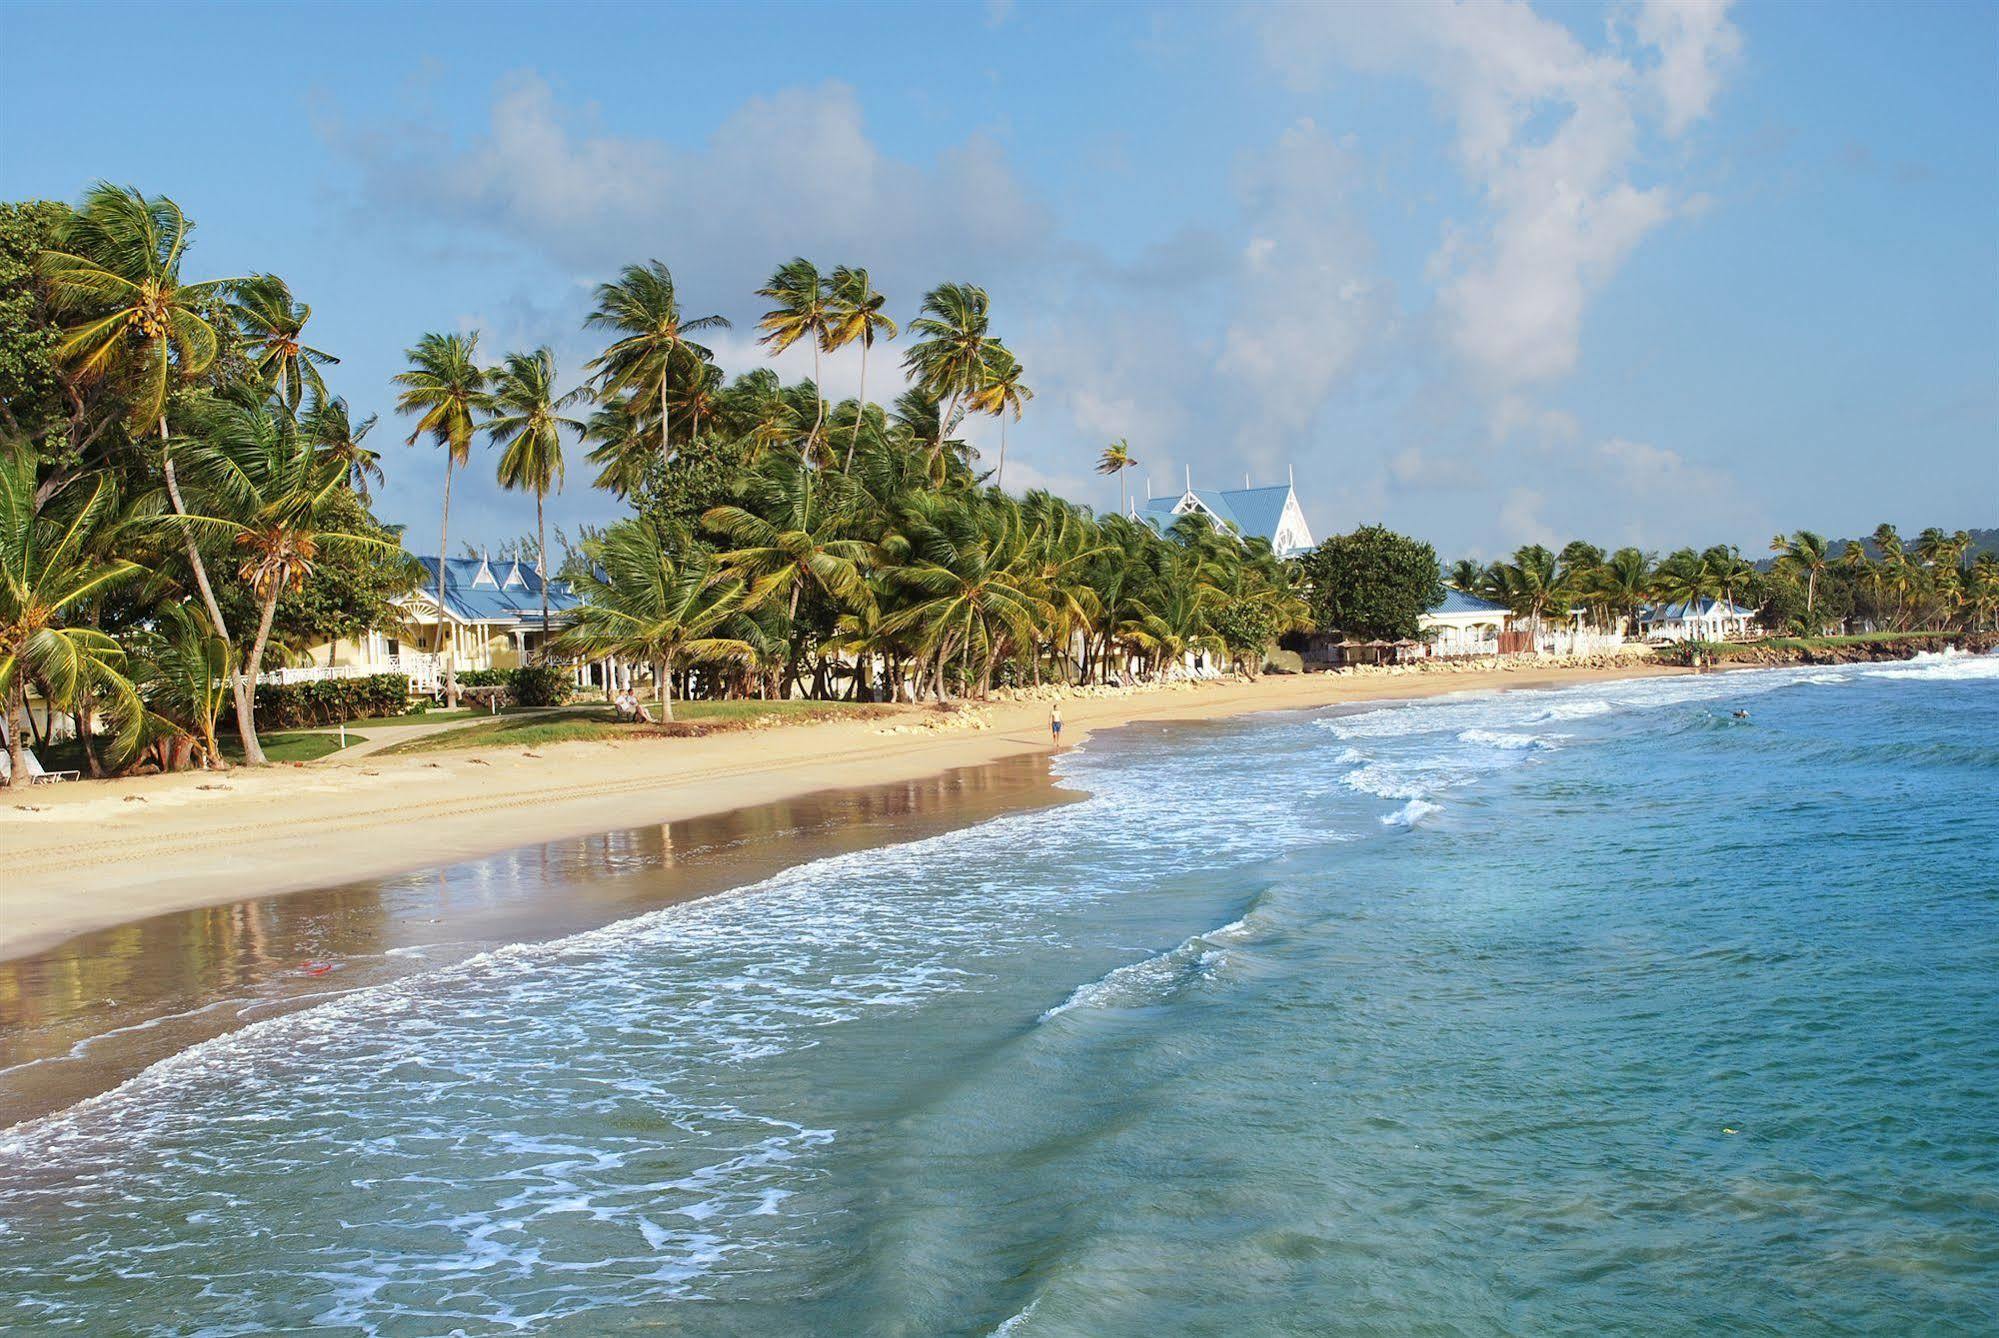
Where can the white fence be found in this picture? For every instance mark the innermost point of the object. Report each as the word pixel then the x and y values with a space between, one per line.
pixel 424 671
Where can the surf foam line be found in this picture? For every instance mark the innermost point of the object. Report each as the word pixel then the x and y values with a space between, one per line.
pixel 1155 979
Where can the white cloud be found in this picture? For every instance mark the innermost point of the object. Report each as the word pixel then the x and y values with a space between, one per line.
pixel 1695 42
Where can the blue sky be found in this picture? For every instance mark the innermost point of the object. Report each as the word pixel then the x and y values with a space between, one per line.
pixel 1649 273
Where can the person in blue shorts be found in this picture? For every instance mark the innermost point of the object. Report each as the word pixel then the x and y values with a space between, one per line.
pixel 1055 722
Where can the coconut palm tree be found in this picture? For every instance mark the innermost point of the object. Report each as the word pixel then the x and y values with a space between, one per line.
pixel 643 306
pixel 266 485
pixel 1688 579
pixel 803 311
pixel 445 388
pixel 1117 458
pixel 1623 583
pixel 116 275
pixel 1532 585
pixel 1001 391
pixel 948 363
pixel 1466 575
pixel 49 566
pixel 659 599
pixel 969 584
pixel 181 669
pixel 854 316
pixel 330 426
pixel 1805 554
pixel 273 330
pixel 527 425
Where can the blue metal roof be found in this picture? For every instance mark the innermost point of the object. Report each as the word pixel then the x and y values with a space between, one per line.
pixel 1457 601
pixel 1255 512
pixel 481 591
pixel 1660 613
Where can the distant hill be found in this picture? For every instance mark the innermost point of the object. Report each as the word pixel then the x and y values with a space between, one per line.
pixel 1982 541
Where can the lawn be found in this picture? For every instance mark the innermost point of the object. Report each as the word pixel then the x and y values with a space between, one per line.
pixel 601 723
pixel 287 747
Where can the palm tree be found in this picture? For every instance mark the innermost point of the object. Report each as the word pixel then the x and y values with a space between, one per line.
pixel 1804 553
pixel 802 312
pixel 949 362
pixel 48 568
pixel 1002 389
pixel 446 388
pixel 269 487
pixel 854 316
pixel 1532 585
pixel 1117 458
pixel 181 668
pixel 1688 579
pixel 1466 575
pixel 527 425
pixel 118 273
pixel 657 601
pixel 330 426
pixel 970 586
pixel 1623 583
pixel 643 306
pixel 273 328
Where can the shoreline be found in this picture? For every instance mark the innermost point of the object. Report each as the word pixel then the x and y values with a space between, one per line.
pixel 98 855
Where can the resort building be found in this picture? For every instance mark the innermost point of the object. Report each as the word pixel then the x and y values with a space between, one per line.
pixel 1270 513
pixel 491 619
pixel 1705 620
pixel 1466 625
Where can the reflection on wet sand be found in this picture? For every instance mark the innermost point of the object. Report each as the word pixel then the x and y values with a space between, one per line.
pixel 84 1016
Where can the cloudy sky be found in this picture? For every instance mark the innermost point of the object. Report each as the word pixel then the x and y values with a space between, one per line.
pixel 1490 273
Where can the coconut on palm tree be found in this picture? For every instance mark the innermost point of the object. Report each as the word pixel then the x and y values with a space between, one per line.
pixel 273 330
pixel 445 388
pixel 643 306
pixel 527 425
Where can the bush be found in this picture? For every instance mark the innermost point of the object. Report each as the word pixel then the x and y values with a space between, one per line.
pixel 329 701
pixel 540 685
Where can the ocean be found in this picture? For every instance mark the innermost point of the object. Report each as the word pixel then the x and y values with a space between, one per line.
pixel 1604 1009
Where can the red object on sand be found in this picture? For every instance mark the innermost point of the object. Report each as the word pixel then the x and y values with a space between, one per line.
pixel 315 968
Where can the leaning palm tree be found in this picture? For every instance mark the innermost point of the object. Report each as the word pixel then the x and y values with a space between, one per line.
pixel 1804 553
pixel 854 316
pixel 803 311
pixel 116 273
pixel 330 426
pixel 273 492
pixel 656 599
pixel 1002 390
pixel 273 330
pixel 181 668
pixel 948 362
pixel 643 306
pixel 1466 575
pixel 48 568
pixel 527 425
pixel 446 389
pixel 1688 579
pixel 1117 458
pixel 1532 585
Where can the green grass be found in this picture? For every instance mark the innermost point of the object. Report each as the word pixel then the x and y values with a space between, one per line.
pixel 599 722
pixel 287 747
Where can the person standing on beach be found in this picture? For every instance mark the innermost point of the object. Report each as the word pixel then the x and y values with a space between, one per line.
pixel 1055 723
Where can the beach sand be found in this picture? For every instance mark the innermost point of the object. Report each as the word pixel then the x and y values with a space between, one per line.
pixel 131 931
pixel 101 853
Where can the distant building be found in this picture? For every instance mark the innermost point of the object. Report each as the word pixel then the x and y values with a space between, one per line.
pixel 1270 513
pixel 1465 625
pixel 1705 620
pixel 491 619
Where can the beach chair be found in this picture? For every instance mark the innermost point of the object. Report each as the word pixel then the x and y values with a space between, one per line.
pixel 37 774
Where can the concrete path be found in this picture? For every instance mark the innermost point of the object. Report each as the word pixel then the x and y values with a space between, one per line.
pixel 388 736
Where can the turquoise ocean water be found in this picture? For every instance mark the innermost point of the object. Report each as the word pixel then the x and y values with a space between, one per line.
pixel 1579 1011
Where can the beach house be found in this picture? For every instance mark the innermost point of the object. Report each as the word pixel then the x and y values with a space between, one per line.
pixel 1466 625
pixel 1702 620
pixel 490 619
pixel 1270 513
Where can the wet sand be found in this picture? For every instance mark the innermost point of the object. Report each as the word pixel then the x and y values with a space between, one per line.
pixel 82 1017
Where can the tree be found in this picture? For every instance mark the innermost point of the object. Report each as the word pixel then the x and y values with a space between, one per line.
pixel 1467 575
pixel 34 408
pixel 802 312
pixel 47 569
pixel 1623 583
pixel 445 387
pixel 527 425
pixel 854 316
pixel 331 428
pixel 1117 458
pixel 267 487
pixel 660 600
pixel 1002 390
pixel 643 306
pixel 273 328
pixel 1531 584
pixel 949 362
pixel 1803 554
pixel 1373 583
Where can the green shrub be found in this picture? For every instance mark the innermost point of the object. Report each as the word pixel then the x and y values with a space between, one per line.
pixel 329 701
pixel 540 685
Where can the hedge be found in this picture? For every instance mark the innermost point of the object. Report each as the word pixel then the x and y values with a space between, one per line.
pixel 331 700
pixel 531 685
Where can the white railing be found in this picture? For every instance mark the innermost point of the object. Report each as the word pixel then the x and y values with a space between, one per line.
pixel 423 670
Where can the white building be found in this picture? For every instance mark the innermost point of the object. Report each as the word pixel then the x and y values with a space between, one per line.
pixel 1464 625
pixel 1706 620
pixel 1270 513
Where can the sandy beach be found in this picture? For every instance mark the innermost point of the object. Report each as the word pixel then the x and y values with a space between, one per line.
pixel 96 854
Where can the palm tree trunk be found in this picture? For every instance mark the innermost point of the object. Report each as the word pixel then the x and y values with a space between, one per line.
pixel 17 711
pixel 443 616
pixel 818 400
pixel 1120 490
pixel 246 703
pixel 541 540
pixel 999 475
pixel 665 435
pixel 666 691
pixel 240 691
pixel 860 409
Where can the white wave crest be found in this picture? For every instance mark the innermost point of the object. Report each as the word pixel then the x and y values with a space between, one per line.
pixel 1411 813
pixel 1494 738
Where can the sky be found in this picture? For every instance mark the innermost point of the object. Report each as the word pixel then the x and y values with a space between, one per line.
pixel 1491 274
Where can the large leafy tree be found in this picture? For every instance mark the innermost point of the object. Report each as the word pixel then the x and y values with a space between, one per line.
pixel 1372 583
pixel 444 387
pixel 527 425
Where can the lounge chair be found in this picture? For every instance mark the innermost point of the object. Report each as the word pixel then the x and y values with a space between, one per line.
pixel 37 774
